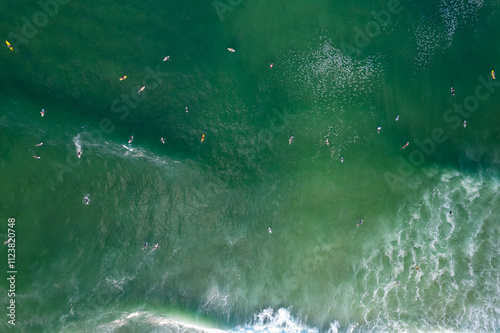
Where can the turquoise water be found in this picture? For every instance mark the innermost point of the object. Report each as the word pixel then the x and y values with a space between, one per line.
pixel 339 72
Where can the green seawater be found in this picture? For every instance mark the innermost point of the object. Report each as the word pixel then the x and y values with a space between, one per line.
pixel 340 70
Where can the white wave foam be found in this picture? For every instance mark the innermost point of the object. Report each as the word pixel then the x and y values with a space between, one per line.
pixel 78 144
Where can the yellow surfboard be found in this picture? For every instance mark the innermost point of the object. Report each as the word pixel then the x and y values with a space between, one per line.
pixel 202 137
pixel 493 74
pixel 10 46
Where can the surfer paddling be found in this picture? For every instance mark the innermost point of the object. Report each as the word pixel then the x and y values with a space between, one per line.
pixel 378 129
pixel 42 112
pixel 405 145
pixel 145 246
pixel 123 77
pixel 452 91
pixel 341 160
pixel 131 139
pixel 397 117
pixel 271 66
pixel 202 137
pixel 141 90
pixel 166 58
pixel 493 74
pixel 37 157
pixel 359 223
pixel 270 230
pixel 465 123
pixel 156 246
pixel 290 140
pixel 86 199
pixel 187 110
pixel 8 241
pixel 162 140
pixel 79 154
pixel 230 49
pixel 39 144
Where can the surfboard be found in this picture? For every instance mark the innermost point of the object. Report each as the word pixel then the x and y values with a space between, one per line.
pixel 493 74
pixel 9 46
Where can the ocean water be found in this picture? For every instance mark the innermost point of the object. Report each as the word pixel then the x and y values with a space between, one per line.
pixel 341 69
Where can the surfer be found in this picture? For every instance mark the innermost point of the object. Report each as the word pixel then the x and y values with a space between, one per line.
pixel 166 58
pixel 9 46
pixel 397 117
pixel 187 110
pixel 271 65
pixel 290 140
pixel 452 91
pixel 42 112
pixel 230 49
pixel 465 123
pixel 8 241
pixel 145 246
pixel 405 145
pixel 123 77
pixel 378 129
pixel 141 90
pixel 156 246
pixel 341 160
pixel 202 137
pixel 327 142
pixel 359 223
pixel 451 213
pixel 39 144
pixel 418 267
pixel 162 140
pixel 131 139
pixel 270 230
pixel 79 154
pixel 86 199
pixel 397 283
pixel 37 157
pixel 493 74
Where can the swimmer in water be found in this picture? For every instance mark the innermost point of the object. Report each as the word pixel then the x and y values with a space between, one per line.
pixel 39 144
pixel 359 223
pixel 270 230
pixel 202 137
pixel 166 58
pixel 230 49
pixel 141 90
pixel 79 154
pixel 156 246
pixel 131 139
pixel 145 246
pixel 397 117
pixel 123 77
pixel 37 157
pixel 341 160
pixel 271 65
pixel 187 110
pixel 290 140
pixel 378 129
pixel 405 145
pixel 452 91
pixel 162 140
pixel 465 123
pixel 327 142
pixel 42 112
